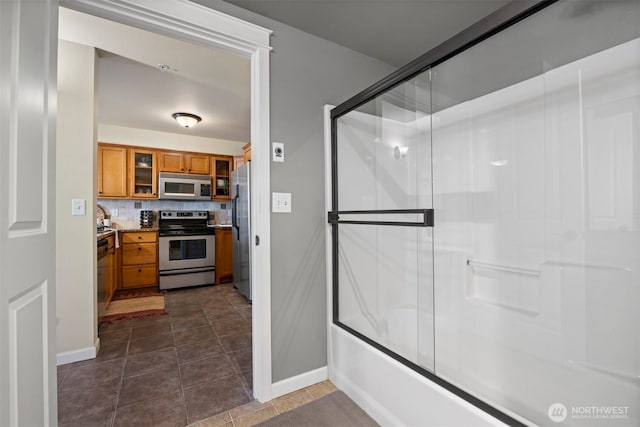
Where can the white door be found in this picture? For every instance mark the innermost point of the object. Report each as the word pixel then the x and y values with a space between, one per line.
pixel 28 50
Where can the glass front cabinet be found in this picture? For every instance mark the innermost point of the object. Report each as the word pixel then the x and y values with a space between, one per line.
pixel 143 174
pixel 221 167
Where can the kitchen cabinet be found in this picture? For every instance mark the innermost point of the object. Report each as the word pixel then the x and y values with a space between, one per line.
pixel 143 174
pixel 170 161
pixel 178 162
pixel 197 163
pixel 224 255
pixel 112 171
pixel 139 259
pixel 247 152
pixel 221 167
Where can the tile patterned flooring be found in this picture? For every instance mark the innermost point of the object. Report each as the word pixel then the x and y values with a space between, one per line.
pixel 191 367
pixel 168 370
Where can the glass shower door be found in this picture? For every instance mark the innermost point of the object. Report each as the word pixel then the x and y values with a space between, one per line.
pixel 382 222
pixel 536 193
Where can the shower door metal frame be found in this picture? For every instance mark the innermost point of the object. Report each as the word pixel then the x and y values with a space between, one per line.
pixel 494 23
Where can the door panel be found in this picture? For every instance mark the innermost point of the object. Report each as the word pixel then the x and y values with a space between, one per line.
pixel 382 214
pixel 27 183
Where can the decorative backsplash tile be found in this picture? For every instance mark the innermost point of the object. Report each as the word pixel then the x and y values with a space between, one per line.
pixel 128 214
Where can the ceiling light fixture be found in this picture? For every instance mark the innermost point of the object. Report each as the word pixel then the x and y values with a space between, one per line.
pixel 186 119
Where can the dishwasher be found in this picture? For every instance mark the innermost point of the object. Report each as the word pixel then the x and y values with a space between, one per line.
pixel 103 251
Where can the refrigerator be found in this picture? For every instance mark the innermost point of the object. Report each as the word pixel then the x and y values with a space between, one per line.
pixel 240 208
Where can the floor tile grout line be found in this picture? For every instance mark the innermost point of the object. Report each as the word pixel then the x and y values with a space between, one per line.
pixel 124 364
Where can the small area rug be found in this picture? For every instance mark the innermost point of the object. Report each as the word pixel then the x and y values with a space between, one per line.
pixel 134 305
pixel 332 410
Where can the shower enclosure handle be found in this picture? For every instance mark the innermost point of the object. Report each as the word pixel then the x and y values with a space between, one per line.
pixel 427 217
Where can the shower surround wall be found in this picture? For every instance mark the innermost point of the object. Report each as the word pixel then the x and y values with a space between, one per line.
pixel 525 292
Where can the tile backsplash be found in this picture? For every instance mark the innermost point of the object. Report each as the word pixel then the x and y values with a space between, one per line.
pixel 128 212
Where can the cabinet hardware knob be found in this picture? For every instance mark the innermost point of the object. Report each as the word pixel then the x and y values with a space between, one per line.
pixel 139 237
pixel 139 249
pixel 139 270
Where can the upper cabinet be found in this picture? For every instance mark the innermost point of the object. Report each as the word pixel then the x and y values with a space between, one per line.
pixel 132 172
pixel 197 163
pixel 221 167
pixel 171 162
pixel 176 162
pixel 112 171
pixel 143 174
pixel 247 152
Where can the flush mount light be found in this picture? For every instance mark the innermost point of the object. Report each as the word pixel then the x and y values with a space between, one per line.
pixel 186 119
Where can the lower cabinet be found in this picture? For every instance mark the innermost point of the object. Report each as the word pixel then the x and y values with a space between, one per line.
pixel 139 259
pixel 224 255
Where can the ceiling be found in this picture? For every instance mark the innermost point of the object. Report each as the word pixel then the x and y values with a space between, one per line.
pixel 215 84
pixel 393 31
pixel 134 92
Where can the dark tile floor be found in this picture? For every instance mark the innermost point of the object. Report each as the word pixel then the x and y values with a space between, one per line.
pixel 169 370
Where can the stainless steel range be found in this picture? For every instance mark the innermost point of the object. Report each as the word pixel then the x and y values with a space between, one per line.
pixel 186 252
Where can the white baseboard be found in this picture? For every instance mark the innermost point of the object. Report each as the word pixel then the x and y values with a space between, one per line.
pixel 299 382
pixel 78 355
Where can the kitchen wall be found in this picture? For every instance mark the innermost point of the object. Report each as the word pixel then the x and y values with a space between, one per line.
pixel 168 141
pixel 306 73
pixel 76 327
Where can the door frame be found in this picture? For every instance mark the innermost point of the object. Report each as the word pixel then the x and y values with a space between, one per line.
pixel 183 19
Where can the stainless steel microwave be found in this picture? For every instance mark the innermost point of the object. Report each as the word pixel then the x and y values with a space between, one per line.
pixel 177 186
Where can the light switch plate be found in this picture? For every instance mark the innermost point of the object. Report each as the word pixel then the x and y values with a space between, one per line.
pixel 278 152
pixel 281 203
pixel 78 207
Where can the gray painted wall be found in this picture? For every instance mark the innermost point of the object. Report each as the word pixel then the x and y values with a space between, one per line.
pixel 306 73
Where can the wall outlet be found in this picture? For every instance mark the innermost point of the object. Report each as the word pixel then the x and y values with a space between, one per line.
pixel 78 207
pixel 281 202
pixel 278 152
pixel 115 212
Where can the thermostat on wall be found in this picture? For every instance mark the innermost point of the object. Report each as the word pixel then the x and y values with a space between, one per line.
pixel 278 152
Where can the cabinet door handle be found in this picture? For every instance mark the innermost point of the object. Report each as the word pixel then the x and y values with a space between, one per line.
pixel 139 237
pixel 139 249
pixel 139 270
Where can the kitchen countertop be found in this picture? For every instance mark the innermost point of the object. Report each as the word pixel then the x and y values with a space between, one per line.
pixel 219 225
pixel 105 233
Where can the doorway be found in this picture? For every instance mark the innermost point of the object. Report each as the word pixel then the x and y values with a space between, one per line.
pixel 202 25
